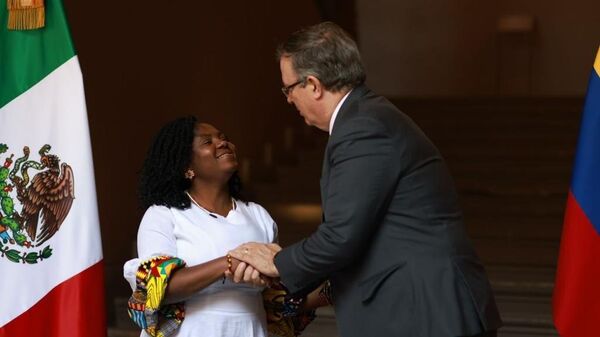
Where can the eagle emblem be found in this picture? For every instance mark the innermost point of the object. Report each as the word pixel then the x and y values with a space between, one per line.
pixel 45 202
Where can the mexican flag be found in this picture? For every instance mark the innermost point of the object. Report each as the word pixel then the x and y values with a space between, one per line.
pixel 51 267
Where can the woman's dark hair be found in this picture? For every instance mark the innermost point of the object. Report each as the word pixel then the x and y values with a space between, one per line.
pixel 162 181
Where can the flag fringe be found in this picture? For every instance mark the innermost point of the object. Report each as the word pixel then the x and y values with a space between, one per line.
pixel 26 14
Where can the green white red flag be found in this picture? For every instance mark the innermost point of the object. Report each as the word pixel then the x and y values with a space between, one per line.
pixel 52 281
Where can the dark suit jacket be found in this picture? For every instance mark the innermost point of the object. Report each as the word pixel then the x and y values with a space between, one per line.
pixel 392 241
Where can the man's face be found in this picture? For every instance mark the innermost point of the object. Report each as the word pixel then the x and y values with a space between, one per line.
pixel 298 95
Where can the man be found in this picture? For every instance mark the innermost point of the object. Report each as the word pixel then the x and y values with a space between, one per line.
pixel 392 241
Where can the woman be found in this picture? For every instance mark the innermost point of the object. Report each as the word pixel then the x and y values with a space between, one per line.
pixel 190 188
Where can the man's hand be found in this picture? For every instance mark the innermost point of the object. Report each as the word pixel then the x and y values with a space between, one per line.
pixel 258 255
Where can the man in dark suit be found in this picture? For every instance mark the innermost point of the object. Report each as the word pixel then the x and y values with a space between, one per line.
pixel 392 241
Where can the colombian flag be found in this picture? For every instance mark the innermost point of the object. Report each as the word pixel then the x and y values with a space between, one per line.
pixel 576 302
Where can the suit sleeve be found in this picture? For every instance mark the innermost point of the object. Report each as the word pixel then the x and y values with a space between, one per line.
pixel 363 174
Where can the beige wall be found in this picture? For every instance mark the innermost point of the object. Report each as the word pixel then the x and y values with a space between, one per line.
pixel 452 48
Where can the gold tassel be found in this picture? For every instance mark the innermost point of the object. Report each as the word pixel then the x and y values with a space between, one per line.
pixel 26 14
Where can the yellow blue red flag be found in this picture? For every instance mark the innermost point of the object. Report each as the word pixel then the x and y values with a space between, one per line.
pixel 576 301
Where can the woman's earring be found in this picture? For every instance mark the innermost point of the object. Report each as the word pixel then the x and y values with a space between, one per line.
pixel 189 174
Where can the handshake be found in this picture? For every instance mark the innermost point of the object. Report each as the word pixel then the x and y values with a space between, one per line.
pixel 255 264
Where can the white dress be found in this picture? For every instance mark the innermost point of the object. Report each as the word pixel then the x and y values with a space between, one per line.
pixel 196 236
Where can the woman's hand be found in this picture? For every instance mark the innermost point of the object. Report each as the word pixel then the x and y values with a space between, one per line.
pixel 244 272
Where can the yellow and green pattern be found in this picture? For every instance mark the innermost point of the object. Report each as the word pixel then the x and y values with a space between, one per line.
pixel 145 306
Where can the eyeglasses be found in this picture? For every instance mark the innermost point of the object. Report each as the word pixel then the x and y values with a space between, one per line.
pixel 287 89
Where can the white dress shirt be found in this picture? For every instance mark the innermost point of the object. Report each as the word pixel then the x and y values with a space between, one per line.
pixel 335 112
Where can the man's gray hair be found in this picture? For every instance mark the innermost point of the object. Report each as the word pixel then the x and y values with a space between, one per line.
pixel 327 52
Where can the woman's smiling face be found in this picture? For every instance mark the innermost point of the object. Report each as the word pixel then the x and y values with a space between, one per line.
pixel 213 156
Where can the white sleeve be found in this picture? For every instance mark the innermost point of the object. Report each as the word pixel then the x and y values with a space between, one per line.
pixel 130 270
pixel 267 221
pixel 275 233
pixel 155 235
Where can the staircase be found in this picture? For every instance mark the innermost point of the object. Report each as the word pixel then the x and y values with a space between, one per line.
pixel 511 160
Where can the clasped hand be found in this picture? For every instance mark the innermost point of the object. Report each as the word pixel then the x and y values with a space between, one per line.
pixel 256 266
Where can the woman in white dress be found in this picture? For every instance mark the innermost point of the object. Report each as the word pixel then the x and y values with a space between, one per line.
pixel 194 216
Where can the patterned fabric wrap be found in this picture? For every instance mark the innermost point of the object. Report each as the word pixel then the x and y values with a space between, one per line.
pixel 284 319
pixel 145 306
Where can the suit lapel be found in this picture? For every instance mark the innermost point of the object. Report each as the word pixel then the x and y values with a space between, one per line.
pixel 324 179
pixel 343 114
pixel 349 108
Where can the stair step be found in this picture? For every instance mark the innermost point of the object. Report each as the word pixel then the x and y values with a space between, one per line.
pixel 526 331
pixel 501 108
pixel 525 311
pixel 500 138
pixel 512 230
pixel 516 153
pixel 516 205
pixel 512 280
pixel 515 167
pixel 324 324
pixel 517 252
pixel 123 332
pixel 523 317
